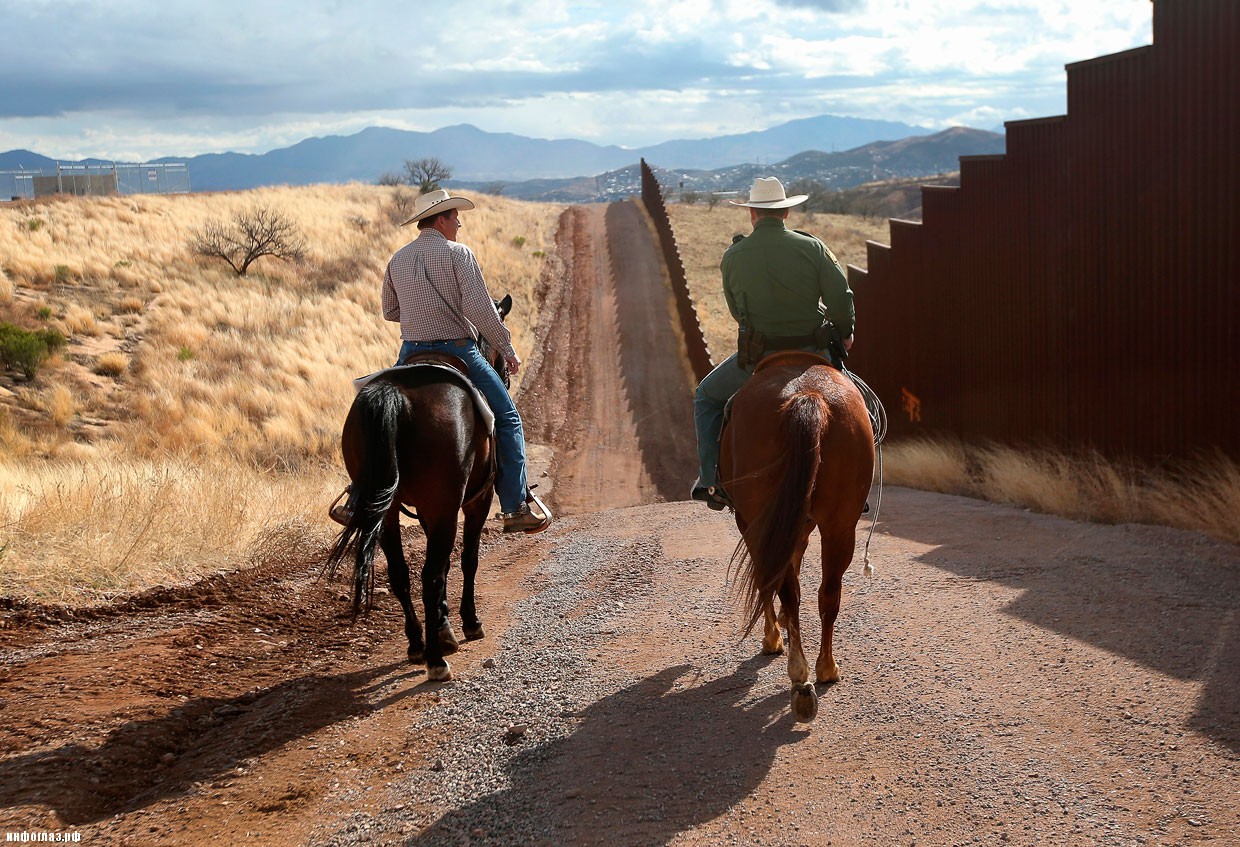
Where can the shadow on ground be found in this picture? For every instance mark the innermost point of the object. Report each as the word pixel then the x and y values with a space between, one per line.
pixel 1167 599
pixel 645 764
pixel 145 761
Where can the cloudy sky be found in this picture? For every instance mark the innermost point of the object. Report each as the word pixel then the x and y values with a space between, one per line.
pixel 132 80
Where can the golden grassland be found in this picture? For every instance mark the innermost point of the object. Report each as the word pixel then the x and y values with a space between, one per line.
pixel 192 424
pixel 194 411
pixel 1202 494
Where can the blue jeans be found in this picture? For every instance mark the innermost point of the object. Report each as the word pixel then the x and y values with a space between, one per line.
pixel 510 478
pixel 712 394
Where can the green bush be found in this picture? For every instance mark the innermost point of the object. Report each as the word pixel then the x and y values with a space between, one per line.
pixel 26 350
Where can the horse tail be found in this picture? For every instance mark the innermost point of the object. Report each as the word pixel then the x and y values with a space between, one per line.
pixel 771 539
pixel 379 406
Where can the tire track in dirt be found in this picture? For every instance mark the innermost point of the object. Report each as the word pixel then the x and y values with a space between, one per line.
pixel 611 392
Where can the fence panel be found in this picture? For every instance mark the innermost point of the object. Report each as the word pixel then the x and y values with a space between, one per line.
pixel 1080 290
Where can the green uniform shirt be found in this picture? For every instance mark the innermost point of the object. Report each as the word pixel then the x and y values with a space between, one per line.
pixel 774 279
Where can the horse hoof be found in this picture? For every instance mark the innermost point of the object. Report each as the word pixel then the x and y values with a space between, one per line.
pixel 447 640
pixel 439 674
pixel 473 633
pixel 804 702
pixel 417 655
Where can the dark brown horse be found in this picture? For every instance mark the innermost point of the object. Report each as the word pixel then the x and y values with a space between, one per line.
pixel 414 438
pixel 797 453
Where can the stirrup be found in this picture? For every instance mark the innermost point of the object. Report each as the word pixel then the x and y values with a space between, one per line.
pixel 532 500
pixel 341 513
pixel 531 517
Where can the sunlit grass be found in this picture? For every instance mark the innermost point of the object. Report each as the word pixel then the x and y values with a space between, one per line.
pixel 1202 494
pixel 226 389
pixel 74 531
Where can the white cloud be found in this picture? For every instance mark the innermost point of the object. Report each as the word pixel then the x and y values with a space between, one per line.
pixel 145 78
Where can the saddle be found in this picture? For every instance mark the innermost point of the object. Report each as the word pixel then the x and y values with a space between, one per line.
pixel 791 357
pixel 433 358
pixel 448 364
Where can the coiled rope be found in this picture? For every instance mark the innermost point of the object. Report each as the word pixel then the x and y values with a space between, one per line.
pixel 878 423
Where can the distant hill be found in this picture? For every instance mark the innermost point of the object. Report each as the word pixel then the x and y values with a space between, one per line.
pixel 477 156
pixel 914 158
pixel 24 160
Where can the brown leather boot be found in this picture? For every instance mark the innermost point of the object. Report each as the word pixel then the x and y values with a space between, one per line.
pixel 523 520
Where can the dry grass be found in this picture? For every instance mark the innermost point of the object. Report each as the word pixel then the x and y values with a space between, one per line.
pixel 225 376
pixel 121 526
pixel 702 234
pixel 1201 495
pixel 111 364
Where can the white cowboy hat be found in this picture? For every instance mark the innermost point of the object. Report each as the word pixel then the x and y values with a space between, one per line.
pixel 768 193
pixel 434 202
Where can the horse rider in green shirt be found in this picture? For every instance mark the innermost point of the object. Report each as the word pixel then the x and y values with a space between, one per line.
pixel 787 291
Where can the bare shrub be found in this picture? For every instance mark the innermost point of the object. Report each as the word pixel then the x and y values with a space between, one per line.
pixel 401 207
pixel 260 231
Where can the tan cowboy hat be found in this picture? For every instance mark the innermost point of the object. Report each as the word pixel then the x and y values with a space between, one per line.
pixel 768 193
pixel 434 202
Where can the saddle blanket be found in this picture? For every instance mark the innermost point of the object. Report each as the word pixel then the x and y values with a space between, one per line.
pixel 480 402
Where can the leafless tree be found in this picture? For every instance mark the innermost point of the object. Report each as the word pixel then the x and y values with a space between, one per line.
pixel 426 174
pixel 389 178
pixel 260 231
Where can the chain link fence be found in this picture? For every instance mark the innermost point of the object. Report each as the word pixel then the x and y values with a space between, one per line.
pixel 96 180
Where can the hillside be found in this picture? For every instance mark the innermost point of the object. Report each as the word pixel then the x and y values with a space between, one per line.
pixel 478 156
pixel 922 158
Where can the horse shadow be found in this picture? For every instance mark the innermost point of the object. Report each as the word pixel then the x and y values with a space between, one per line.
pixel 145 761
pixel 644 765
pixel 1172 604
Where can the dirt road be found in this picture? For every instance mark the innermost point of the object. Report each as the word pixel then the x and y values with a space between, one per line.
pixel 1008 678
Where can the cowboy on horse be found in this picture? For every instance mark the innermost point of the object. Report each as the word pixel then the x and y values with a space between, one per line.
pixel 433 287
pixel 787 291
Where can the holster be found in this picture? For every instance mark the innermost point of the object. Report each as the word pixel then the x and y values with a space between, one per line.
pixel 750 347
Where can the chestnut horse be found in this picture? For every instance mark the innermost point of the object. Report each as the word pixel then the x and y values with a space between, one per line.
pixel 796 453
pixel 415 438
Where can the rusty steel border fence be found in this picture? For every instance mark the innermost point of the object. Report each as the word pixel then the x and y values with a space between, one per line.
pixel 1080 290
pixel 695 342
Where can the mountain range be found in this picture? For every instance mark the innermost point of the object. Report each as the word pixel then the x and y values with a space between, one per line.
pixel 833 149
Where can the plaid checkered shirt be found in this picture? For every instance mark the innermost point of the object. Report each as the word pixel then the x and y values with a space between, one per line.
pixel 461 308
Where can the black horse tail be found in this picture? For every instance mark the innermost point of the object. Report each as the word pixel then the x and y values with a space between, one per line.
pixel 771 539
pixel 379 406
